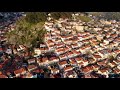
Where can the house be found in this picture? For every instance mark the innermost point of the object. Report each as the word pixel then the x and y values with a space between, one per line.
pixel 28 75
pixel 92 61
pixel 85 70
pixel 117 51
pixel 95 67
pixel 117 39
pixel 97 57
pixel 37 71
pixel 99 37
pixel 47 37
pixel 59 45
pixel 57 31
pixel 76 53
pixel 62 64
pixel 110 39
pixel 64 37
pixel 80 43
pixel 9 51
pixel 118 66
pixel 53 59
pixel 115 43
pixel 85 63
pixel 59 51
pixel 75 40
pixel 87 76
pixel 37 52
pixel 103 72
pixel 46 49
pixel 94 43
pixel 3 76
pixel 114 35
pixel 101 63
pixel 51 47
pixel 70 54
pixel 19 72
pixel 68 68
pixel 80 37
pixel 111 45
pixel 30 61
pixel 75 45
pixel 49 43
pixel 81 64
pixel 68 41
pixel 42 61
pixel 42 49
pixel 85 41
pixel 69 36
pixel 93 50
pixel 73 62
pixel 31 67
pixel 108 35
pixel 58 40
pixel 79 28
pixel 106 42
pixel 70 74
pixel 78 59
pixel 117 61
pixel 82 49
pixel 104 53
pixel 86 36
pixel 63 56
pixel 116 70
pixel 112 64
pixel 54 71
pixel 21 47
pixel 87 47
pixel 67 48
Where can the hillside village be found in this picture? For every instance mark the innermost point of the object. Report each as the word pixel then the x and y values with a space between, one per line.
pixel 72 49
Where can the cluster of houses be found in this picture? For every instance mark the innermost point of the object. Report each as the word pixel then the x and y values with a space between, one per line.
pixel 91 47
pixel 72 49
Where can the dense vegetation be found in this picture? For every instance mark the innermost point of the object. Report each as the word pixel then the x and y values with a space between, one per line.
pixel 29 30
pixel 84 18
pixel 35 17
pixel 57 15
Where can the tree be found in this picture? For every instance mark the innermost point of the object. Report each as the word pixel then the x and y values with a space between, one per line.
pixel 28 33
pixel 57 15
pixel 84 18
pixel 35 17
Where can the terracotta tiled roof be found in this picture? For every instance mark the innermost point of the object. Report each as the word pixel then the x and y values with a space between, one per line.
pixel 19 71
pixel 67 68
pixel 3 76
pixel 62 62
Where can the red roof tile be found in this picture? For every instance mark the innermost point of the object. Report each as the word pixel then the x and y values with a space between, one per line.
pixel 3 76
pixel 19 71
pixel 62 62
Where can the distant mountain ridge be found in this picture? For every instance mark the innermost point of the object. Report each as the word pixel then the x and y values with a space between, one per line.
pixel 106 15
